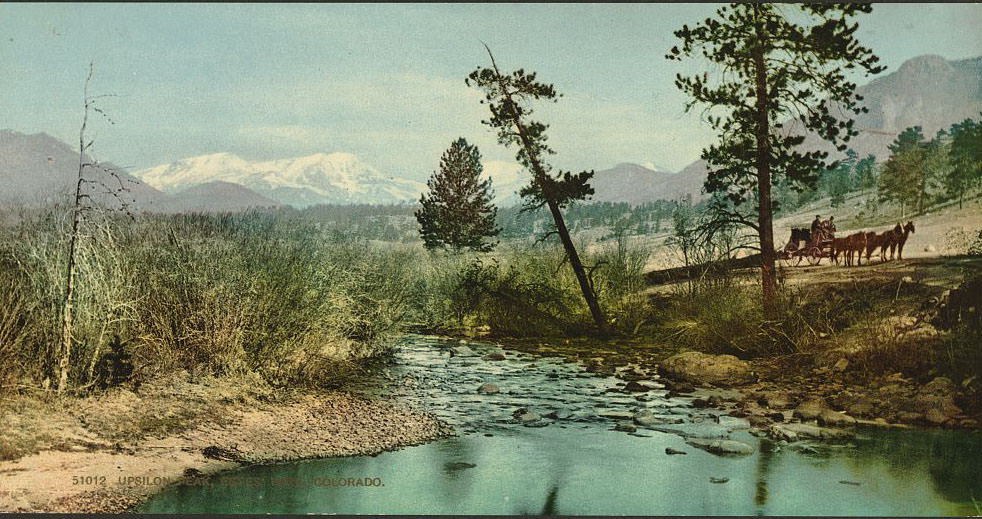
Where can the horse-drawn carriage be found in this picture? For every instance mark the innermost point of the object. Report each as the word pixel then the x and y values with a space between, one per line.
pixel 807 245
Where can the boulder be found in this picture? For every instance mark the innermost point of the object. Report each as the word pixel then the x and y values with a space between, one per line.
pixel 702 368
pixel 935 417
pixel 861 407
pixel 775 400
pixel 488 388
pixel 936 398
pixel 494 356
pixel 646 418
pixel 810 408
pixel 672 452
pixel 462 351
pixel 626 427
pixel 832 418
pixel 636 387
pixel 795 431
pixel 723 447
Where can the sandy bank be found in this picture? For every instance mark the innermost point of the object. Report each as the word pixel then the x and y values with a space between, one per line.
pixel 115 476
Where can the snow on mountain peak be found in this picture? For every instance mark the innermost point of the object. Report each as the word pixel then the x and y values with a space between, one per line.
pixel 338 178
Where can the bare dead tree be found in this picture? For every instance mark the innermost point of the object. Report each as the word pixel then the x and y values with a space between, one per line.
pixel 84 202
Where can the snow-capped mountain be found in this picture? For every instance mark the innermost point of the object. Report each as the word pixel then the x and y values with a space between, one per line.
pixel 322 178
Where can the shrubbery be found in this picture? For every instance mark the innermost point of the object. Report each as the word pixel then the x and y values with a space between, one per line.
pixel 207 293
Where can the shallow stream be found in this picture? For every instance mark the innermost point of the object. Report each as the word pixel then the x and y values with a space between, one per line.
pixel 572 461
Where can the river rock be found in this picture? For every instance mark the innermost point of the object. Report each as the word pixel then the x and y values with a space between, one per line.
pixel 832 418
pixel 934 416
pixel 462 351
pixel 527 417
pixel 702 368
pixel 636 387
pixel 672 452
pixel 810 409
pixel 718 480
pixel 625 427
pixel 497 355
pixel 488 388
pixel 775 400
pixel 861 407
pixel 723 447
pixel 937 395
pixel 795 431
pixel 646 418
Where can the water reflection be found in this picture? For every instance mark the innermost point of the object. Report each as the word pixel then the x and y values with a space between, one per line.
pixel 578 465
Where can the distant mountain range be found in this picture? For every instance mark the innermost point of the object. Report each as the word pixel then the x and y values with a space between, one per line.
pixel 927 90
pixel 39 169
pixel 335 178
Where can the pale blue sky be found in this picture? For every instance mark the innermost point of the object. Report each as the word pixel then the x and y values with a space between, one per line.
pixel 383 81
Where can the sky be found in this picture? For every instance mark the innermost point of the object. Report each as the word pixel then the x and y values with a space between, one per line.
pixel 382 81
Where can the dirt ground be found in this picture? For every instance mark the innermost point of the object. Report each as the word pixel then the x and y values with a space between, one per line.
pixel 96 455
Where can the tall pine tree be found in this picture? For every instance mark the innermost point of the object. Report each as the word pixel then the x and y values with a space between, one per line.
pixel 777 63
pixel 457 211
pixel 966 158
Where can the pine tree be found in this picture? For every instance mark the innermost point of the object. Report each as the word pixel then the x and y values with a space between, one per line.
pixel 906 177
pixel 966 158
pixel 506 96
pixel 779 62
pixel 457 211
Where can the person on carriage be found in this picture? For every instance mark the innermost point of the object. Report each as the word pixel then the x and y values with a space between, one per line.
pixel 816 225
pixel 830 227
pixel 817 230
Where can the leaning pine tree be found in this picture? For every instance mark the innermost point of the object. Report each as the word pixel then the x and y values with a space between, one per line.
pixel 457 212
pixel 782 73
pixel 507 97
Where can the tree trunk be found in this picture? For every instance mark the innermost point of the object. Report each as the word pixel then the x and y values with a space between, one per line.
pixel 66 323
pixel 67 303
pixel 768 256
pixel 539 174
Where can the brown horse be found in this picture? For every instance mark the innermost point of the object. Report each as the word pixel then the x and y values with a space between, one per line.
pixel 840 246
pixel 901 235
pixel 856 244
pixel 852 244
pixel 874 240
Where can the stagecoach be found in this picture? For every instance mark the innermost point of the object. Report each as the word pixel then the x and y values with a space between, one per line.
pixel 804 246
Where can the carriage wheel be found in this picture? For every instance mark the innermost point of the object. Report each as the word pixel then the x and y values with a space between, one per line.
pixel 814 256
pixel 795 260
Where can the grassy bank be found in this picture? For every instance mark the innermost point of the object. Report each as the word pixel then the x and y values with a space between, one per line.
pixel 210 294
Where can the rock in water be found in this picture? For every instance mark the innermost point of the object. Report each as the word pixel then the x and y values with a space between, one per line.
pixel 671 452
pixel 810 409
pixel 723 447
pixel 636 387
pixel 625 427
pixel 834 419
pixel 646 418
pixel 488 388
pixel 718 480
pixel 702 368
pixel 795 431
pixel 494 356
